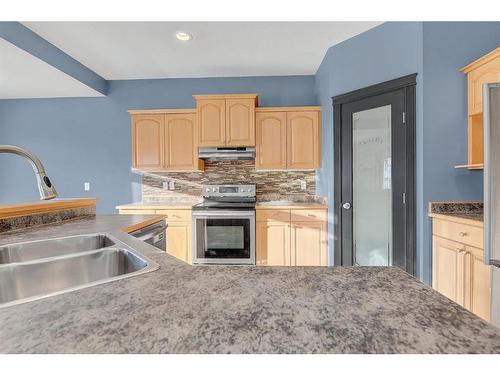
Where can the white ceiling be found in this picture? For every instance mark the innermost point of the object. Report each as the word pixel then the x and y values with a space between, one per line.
pixel 23 75
pixel 139 50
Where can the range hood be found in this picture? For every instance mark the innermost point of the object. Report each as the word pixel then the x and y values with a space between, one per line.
pixel 226 153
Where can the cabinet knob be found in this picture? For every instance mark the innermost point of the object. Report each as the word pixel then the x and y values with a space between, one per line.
pixel 462 234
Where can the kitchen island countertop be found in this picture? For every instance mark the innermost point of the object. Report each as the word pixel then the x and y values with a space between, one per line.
pixel 239 309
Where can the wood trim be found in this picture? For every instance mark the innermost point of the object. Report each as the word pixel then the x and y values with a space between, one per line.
pixel 288 109
pixel 161 111
pixel 34 208
pixel 482 60
pixel 377 89
pixel 142 224
pixel 227 96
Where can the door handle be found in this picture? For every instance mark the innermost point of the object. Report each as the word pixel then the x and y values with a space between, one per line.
pixel 346 206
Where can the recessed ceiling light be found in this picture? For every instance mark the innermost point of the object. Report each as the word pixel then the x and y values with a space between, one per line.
pixel 183 36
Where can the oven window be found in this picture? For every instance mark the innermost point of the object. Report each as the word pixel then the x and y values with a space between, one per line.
pixel 223 238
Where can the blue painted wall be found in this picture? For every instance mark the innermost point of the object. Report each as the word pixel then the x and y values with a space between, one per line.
pixel 385 52
pixel 88 139
pixel 448 47
pixel 436 51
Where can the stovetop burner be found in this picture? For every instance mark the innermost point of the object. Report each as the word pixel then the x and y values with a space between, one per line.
pixel 227 197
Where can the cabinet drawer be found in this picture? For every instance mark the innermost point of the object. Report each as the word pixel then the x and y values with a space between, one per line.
pixel 137 212
pixel 309 215
pixel 462 233
pixel 273 215
pixel 175 215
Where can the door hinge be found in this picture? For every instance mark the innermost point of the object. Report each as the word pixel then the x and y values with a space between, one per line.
pixel 404 198
pixel 404 117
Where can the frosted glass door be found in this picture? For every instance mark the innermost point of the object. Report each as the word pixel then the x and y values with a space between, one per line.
pixel 372 187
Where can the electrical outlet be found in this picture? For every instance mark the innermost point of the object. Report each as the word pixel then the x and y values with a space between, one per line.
pixel 165 185
pixel 86 186
pixel 303 185
pixel 171 185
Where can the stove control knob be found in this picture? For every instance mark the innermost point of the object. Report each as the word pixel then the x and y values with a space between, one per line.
pixel 214 189
pixel 207 190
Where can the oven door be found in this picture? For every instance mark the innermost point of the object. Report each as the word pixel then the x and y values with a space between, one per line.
pixel 224 237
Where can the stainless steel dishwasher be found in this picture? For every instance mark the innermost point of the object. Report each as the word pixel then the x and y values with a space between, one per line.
pixel 153 234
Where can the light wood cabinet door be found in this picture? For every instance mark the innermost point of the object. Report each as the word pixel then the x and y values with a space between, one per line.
pixel 273 244
pixel 240 122
pixel 478 277
pixel 449 268
pixel 147 141
pixel 487 73
pixel 211 117
pixel 308 244
pixel 303 140
pixel 180 141
pixel 271 140
pixel 179 240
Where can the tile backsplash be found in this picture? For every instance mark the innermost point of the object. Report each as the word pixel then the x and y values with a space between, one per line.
pixel 271 185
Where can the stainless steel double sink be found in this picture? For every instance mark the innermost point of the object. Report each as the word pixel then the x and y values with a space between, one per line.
pixel 38 269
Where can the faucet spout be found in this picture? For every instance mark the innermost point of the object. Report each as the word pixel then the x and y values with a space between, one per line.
pixel 45 187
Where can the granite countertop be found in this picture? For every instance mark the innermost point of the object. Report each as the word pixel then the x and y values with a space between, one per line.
pixel 239 309
pixel 468 210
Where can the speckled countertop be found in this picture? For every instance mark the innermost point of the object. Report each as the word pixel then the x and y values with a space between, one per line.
pixel 231 309
pixel 468 210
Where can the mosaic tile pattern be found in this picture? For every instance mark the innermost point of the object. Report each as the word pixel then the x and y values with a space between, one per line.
pixel 271 185
pixel 22 222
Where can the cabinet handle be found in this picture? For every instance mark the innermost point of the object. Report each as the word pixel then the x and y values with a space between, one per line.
pixel 311 215
pixel 462 234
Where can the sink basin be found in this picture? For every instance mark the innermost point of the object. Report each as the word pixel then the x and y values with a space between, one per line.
pixel 22 282
pixel 26 251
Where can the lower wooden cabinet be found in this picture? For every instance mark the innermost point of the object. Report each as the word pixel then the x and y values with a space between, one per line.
pixel 178 233
pixel 458 269
pixel 179 240
pixel 282 241
pixel 273 244
pixel 308 243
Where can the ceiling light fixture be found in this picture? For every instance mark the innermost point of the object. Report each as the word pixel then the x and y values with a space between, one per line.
pixel 183 36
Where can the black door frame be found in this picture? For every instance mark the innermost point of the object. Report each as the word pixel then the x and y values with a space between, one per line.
pixel 407 83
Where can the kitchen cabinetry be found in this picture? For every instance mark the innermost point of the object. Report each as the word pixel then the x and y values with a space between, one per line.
pixel 484 70
pixel 226 120
pixel 179 230
pixel 288 138
pixel 165 140
pixel 147 141
pixel 291 237
pixel 458 270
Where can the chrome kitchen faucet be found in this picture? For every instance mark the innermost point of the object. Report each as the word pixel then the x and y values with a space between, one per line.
pixel 45 187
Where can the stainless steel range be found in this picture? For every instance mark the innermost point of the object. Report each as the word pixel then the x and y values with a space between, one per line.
pixel 224 225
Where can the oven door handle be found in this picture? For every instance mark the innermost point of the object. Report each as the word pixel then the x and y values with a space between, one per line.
pixel 225 214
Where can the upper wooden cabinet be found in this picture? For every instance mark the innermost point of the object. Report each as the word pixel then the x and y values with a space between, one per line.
pixel 165 140
pixel 147 141
pixel 211 121
pixel 288 138
pixel 484 70
pixel 226 120
pixel 271 140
